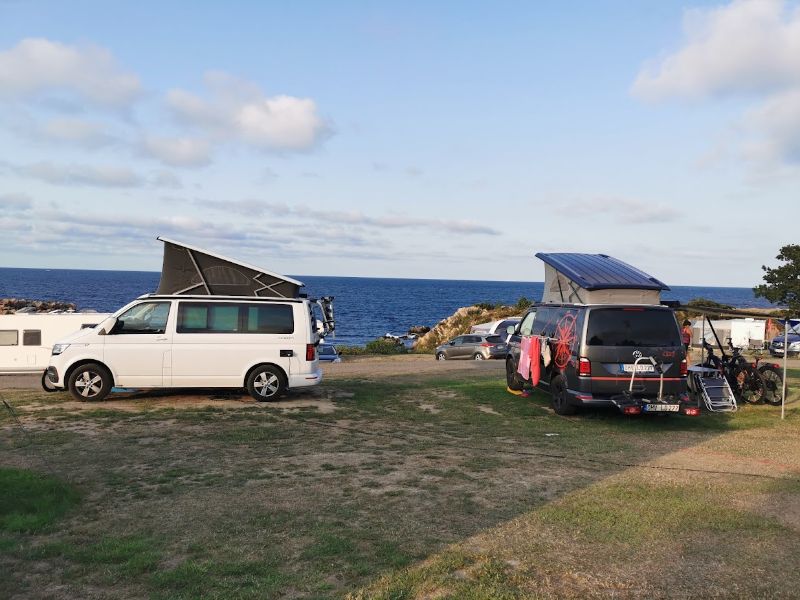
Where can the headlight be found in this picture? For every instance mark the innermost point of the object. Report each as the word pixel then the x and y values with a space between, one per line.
pixel 794 346
pixel 59 348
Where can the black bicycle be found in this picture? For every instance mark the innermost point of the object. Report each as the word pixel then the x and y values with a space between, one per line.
pixel 745 380
pixel 773 380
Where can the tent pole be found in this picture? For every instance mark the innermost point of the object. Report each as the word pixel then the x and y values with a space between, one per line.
pixel 785 354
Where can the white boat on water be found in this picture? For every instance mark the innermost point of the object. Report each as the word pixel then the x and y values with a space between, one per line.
pixel 26 338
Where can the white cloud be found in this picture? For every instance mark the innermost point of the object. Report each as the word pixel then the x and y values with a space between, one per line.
pixel 38 66
pixel 82 132
pixel 178 151
pixel 15 202
pixel 747 46
pixel 238 109
pixel 77 174
pixel 252 207
pixel 775 126
pixel 623 210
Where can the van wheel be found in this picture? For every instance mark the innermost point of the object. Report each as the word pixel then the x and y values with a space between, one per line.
pixel 513 380
pixel 89 382
pixel 561 405
pixel 266 383
pixel 478 356
pixel 47 386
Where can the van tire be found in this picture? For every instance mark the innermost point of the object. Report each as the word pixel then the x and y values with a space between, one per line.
pixel 558 388
pixel 266 383
pixel 89 382
pixel 441 356
pixel 513 380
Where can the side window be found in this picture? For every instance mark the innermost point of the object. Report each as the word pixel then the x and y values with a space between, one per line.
pixel 147 317
pixel 270 318
pixel 459 340
pixel 32 337
pixel 527 324
pixel 229 317
pixel 9 337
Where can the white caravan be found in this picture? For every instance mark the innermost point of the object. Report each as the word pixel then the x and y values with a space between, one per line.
pixel 194 341
pixel 26 338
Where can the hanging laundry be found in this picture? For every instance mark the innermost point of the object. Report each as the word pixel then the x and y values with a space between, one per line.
pixel 546 355
pixel 524 365
pixel 535 352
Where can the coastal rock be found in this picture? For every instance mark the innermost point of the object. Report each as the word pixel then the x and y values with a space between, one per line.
pixel 419 329
pixel 11 305
pixel 460 322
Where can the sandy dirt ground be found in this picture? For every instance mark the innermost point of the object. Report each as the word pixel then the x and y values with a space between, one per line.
pixel 368 368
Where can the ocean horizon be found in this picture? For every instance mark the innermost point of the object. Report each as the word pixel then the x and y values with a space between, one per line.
pixel 365 307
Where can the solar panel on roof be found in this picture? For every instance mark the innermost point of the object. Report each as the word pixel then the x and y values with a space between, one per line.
pixel 600 271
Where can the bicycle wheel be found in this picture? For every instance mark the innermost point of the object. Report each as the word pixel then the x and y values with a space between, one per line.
pixel 773 385
pixel 748 385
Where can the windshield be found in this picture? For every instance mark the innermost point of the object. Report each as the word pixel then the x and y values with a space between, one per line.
pixel 632 327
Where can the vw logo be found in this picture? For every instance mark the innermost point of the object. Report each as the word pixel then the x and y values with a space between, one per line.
pixel 637 354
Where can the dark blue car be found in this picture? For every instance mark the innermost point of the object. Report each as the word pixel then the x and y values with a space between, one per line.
pixel 776 345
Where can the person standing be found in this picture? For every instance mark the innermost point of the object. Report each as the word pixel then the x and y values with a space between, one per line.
pixel 686 335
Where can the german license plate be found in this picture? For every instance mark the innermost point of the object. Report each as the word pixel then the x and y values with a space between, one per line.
pixel 640 368
pixel 661 407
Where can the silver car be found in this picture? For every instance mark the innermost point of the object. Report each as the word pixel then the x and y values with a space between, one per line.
pixel 472 346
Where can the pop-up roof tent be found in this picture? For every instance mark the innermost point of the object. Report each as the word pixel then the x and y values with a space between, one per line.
pixel 189 270
pixel 596 279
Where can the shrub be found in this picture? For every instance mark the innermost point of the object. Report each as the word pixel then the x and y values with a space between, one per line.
pixel 385 346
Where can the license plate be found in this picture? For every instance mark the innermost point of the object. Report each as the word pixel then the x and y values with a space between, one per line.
pixel 661 407
pixel 640 368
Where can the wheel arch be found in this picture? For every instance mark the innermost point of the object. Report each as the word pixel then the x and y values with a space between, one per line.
pixel 86 361
pixel 265 364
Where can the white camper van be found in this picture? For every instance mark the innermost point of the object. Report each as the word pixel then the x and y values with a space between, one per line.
pixel 184 341
pixel 27 337
pixel 214 322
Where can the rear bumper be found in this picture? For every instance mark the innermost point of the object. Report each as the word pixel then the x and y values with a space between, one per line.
pixel 305 379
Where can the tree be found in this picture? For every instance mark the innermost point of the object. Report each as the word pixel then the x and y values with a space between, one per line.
pixel 783 282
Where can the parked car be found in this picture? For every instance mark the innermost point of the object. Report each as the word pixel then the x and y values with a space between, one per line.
pixel 265 345
pixel 328 353
pixel 495 327
pixel 595 350
pixel 472 346
pixel 793 341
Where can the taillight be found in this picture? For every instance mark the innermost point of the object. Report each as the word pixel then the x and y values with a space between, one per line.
pixel 311 352
pixel 684 368
pixel 691 411
pixel 632 410
pixel 584 367
pixel 487 345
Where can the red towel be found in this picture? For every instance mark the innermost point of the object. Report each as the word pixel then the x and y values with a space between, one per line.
pixel 535 358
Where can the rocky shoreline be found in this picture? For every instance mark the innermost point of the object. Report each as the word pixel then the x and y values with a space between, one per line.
pixel 9 306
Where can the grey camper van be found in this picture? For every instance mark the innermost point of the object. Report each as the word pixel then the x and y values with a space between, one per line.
pixel 596 351
pixel 609 340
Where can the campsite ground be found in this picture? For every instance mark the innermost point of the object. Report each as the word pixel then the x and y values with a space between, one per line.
pixel 399 477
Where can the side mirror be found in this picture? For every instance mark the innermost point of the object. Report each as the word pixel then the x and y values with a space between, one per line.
pixel 452 342
pixel 106 326
pixel 511 329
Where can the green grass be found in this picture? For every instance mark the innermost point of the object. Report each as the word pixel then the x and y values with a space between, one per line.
pixel 408 490
pixel 32 501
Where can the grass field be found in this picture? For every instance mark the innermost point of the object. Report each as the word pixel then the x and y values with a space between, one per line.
pixel 409 487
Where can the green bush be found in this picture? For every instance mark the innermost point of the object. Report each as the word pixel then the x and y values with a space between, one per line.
pixel 351 350
pixel 385 346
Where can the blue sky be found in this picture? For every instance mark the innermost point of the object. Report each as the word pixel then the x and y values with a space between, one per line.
pixel 443 140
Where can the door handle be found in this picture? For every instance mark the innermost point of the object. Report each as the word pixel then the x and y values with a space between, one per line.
pixel 162 338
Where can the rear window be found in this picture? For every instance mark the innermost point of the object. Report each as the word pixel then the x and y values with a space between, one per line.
pixel 494 339
pixel 632 327
pixel 325 350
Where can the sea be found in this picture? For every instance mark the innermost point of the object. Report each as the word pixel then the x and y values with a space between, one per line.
pixel 365 307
